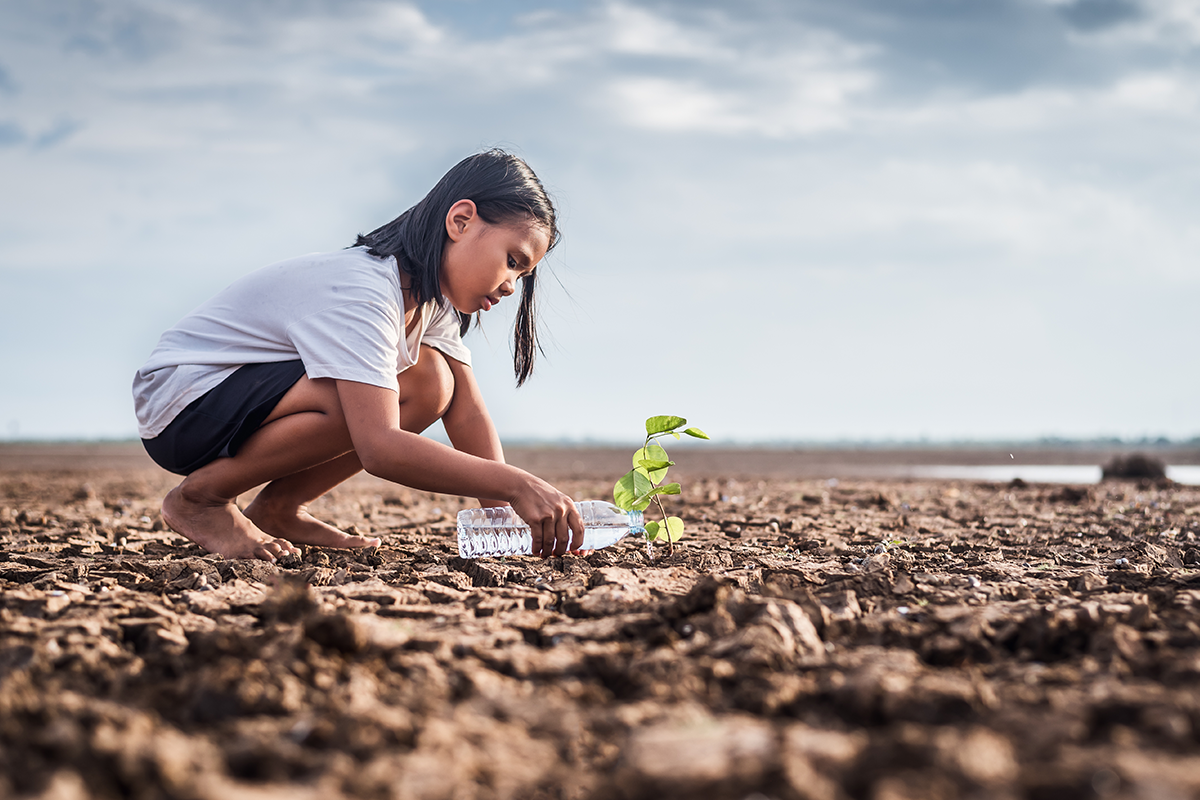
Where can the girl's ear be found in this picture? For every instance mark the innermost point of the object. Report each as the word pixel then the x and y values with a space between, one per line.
pixel 459 219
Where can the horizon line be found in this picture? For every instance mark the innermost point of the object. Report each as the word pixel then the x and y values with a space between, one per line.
pixel 782 443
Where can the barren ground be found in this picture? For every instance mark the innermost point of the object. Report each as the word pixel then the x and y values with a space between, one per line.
pixel 809 639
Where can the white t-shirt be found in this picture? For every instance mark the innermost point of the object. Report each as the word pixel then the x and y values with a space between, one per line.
pixel 340 313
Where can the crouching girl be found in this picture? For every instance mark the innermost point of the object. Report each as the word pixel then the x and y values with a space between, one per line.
pixel 307 371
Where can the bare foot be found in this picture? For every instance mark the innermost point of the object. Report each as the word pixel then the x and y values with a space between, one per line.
pixel 294 523
pixel 219 527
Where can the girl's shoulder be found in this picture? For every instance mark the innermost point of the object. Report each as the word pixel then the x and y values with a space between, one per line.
pixel 325 279
pixel 349 258
pixel 341 267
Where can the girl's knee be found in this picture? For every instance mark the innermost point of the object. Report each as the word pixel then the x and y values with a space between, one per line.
pixel 309 395
pixel 441 381
pixel 426 389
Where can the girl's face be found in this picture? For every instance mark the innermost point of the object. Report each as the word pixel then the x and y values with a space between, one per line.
pixel 481 262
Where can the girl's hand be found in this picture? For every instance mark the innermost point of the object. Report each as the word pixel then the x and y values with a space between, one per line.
pixel 552 518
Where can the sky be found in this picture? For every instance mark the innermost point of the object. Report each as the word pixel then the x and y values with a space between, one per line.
pixel 786 220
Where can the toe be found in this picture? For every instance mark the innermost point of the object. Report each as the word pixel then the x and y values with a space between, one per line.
pixel 283 547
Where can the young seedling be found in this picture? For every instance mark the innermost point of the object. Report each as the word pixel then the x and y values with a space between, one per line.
pixel 643 484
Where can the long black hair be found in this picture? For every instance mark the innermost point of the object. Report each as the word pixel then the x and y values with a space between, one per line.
pixel 504 189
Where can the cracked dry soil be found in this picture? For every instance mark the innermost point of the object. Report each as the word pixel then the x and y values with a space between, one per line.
pixel 880 640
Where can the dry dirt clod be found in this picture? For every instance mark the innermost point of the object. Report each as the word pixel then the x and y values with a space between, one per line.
pixel 979 658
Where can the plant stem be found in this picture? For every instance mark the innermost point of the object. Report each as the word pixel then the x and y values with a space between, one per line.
pixel 658 501
pixel 667 528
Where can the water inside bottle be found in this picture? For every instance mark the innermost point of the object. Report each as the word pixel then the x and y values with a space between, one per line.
pixel 499 531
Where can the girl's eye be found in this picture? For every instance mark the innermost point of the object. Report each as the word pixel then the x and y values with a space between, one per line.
pixel 512 263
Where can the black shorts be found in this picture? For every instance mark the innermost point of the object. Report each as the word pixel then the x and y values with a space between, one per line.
pixel 220 421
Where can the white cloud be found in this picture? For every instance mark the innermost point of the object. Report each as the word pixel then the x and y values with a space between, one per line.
pixel 1172 94
pixel 671 105
pixel 741 80
pixel 745 173
pixel 639 31
pixel 774 99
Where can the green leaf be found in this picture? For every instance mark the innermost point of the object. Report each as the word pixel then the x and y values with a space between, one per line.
pixel 656 470
pixel 699 434
pixel 674 528
pixel 652 531
pixel 663 424
pixel 631 492
pixel 670 488
pixel 653 459
pixel 650 452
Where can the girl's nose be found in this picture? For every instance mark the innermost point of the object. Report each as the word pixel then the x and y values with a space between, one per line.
pixel 507 288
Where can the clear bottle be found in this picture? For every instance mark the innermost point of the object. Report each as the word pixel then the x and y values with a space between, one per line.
pixel 499 531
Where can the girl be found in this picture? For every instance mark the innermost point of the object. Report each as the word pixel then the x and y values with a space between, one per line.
pixel 305 372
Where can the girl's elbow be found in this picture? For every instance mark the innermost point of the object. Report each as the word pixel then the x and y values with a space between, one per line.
pixel 375 460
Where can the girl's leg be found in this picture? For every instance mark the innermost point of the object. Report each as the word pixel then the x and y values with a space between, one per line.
pixel 305 429
pixel 281 507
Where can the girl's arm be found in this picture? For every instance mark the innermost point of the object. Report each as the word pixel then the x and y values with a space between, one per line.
pixel 468 423
pixel 392 453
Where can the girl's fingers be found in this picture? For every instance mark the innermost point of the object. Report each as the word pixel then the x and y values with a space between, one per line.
pixel 554 522
pixel 562 536
pixel 576 523
pixel 554 537
pixel 535 529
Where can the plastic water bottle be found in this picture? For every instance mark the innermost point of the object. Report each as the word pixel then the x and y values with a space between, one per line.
pixel 499 531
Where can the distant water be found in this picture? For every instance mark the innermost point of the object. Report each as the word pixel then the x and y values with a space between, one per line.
pixel 1041 473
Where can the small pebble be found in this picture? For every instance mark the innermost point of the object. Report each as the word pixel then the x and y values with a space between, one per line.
pixel 901 609
pixel 300 731
pixel 1106 783
pixel 973 582
pixel 1121 562
pixel 881 548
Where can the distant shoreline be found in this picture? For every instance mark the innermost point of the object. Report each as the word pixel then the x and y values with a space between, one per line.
pixel 1105 443
pixel 590 461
